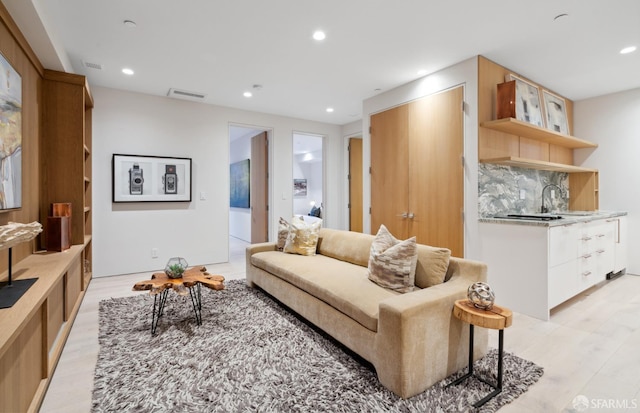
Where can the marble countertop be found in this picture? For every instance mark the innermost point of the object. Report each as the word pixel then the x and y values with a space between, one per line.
pixel 568 217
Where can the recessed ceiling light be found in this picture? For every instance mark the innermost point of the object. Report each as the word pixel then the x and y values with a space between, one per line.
pixel 329 110
pixel 319 35
pixel 247 94
pixel 129 23
pixel 560 16
pixel 127 71
pixel 629 49
pixel 422 72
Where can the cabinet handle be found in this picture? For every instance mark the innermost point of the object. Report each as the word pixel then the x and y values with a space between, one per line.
pixel 586 273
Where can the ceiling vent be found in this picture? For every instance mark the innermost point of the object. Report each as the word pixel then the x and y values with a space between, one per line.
pixel 185 94
pixel 90 65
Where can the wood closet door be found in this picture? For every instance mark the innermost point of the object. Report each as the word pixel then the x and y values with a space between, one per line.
pixel 389 170
pixel 436 177
pixel 259 199
pixel 355 184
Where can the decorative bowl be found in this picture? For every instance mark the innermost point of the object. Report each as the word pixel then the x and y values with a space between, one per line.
pixel 481 295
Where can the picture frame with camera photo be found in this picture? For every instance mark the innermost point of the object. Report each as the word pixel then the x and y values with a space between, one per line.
pixel 148 178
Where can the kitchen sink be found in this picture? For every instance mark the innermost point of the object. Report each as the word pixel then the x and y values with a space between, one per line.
pixel 531 217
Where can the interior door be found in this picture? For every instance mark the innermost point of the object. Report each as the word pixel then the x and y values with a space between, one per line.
pixel 389 170
pixel 259 189
pixel 355 184
pixel 436 183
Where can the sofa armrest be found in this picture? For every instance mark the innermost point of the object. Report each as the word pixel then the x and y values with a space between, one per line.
pixel 254 249
pixel 417 333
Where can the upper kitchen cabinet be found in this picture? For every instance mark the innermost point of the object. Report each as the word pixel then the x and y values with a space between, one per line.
pixel 513 142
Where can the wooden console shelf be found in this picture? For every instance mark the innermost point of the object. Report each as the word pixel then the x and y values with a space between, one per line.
pixel 36 328
pixel 527 130
pixel 535 164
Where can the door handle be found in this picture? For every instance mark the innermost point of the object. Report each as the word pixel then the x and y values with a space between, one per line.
pixel 403 215
pixel 410 216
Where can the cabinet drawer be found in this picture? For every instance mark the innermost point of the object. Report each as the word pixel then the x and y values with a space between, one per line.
pixel 563 243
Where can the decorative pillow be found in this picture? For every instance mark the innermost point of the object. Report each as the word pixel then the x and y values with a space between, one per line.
pixel 283 232
pixel 303 237
pixel 315 212
pixel 392 263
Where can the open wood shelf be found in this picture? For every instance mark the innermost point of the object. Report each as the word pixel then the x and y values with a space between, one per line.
pixel 535 164
pixel 527 130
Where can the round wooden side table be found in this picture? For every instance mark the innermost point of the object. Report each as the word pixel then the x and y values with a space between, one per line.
pixel 497 318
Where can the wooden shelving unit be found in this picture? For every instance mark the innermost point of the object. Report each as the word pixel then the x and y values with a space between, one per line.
pixel 516 143
pixel 66 172
pixel 520 128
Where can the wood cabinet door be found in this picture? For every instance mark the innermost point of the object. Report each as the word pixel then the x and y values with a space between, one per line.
pixel 355 184
pixel 390 171
pixel 436 171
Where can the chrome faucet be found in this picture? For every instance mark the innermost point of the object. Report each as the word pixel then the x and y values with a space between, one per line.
pixel 543 209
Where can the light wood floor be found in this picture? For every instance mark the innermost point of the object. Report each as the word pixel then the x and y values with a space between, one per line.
pixel 590 347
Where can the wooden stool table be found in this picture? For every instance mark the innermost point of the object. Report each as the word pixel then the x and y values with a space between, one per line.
pixel 160 284
pixel 497 318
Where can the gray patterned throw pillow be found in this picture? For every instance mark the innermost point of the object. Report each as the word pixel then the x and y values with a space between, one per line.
pixel 392 263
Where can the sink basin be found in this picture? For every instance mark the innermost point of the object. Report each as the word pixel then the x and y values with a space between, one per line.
pixel 578 213
pixel 532 217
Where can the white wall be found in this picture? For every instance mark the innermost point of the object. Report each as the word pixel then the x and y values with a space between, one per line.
pixel 240 218
pixel 133 123
pixel 613 122
pixel 464 73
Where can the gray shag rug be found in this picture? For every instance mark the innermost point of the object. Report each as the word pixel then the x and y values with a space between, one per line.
pixel 253 355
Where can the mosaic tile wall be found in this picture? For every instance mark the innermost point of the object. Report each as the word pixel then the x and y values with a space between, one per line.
pixel 499 190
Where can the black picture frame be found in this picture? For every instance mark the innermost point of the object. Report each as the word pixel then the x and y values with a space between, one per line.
pixel 148 178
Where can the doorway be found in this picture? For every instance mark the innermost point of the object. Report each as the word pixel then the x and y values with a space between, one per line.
pixel 308 175
pixel 249 183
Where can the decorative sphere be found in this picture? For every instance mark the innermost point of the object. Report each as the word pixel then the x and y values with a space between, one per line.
pixel 481 295
pixel 175 267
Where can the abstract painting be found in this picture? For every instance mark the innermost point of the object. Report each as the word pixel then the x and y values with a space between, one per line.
pixel 239 184
pixel 10 136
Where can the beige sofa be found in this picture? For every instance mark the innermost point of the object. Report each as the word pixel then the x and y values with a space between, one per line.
pixel 411 339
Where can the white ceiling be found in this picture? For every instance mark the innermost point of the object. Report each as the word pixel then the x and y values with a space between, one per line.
pixel 222 48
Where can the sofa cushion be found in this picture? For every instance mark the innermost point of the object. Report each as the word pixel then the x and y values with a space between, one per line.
pixel 349 246
pixel 392 263
pixel 342 285
pixel 303 237
pixel 432 265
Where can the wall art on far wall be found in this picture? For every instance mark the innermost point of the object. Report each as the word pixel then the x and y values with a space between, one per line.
pixel 299 187
pixel 556 109
pixel 239 195
pixel 141 178
pixel 10 136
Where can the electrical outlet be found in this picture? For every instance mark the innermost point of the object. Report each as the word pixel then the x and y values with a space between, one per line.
pixel 203 196
pixel 522 194
pixel 154 253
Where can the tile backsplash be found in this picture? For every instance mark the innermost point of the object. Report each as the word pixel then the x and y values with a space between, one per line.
pixel 500 188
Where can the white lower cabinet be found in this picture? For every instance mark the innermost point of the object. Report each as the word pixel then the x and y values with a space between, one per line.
pixel 533 268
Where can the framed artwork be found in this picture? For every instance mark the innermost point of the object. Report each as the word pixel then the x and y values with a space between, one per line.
pixel 299 187
pixel 239 184
pixel 141 178
pixel 10 136
pixel 555 108
pixel 527 101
